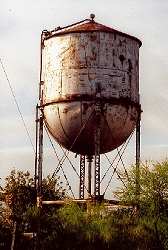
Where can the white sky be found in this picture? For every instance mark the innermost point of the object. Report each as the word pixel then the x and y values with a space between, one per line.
pixel 21 23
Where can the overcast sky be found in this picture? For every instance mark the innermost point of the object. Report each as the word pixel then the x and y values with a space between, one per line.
pixel 21 23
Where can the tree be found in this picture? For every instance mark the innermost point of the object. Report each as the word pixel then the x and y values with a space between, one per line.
pixel 153 201
pixel 5 230
pixel 19 196
pixel 74 227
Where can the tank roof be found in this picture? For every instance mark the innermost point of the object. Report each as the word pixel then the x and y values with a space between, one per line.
pixel 87 25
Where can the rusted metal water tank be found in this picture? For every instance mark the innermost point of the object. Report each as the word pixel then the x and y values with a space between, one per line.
pixel 82 64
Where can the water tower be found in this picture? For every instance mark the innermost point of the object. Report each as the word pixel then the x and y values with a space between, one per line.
pixel 88 93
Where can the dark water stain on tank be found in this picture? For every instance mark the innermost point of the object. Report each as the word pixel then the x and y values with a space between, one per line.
pixel 122 59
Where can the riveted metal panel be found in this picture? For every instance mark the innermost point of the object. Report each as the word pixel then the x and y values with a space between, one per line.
pixel 78 68
pixel 78 63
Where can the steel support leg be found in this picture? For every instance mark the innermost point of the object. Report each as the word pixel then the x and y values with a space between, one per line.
pixel 97 150
pixel 40 161
pixel 36 154
pixel 138 158
pixel 89 159
pixel 82 177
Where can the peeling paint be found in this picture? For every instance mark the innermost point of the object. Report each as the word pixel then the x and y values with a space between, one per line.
pixel 76 67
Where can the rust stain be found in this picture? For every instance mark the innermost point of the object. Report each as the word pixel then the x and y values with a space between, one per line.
pixel 85 63
pixel 90 27
pixel 77 98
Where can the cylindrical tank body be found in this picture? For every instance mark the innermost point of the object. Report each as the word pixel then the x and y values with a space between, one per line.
pixel 83 65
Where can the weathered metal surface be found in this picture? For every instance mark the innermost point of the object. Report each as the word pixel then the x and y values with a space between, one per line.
pixel 88 26
pixel 77 69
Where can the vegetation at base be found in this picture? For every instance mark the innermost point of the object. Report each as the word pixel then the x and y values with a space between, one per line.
pixel 141 227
